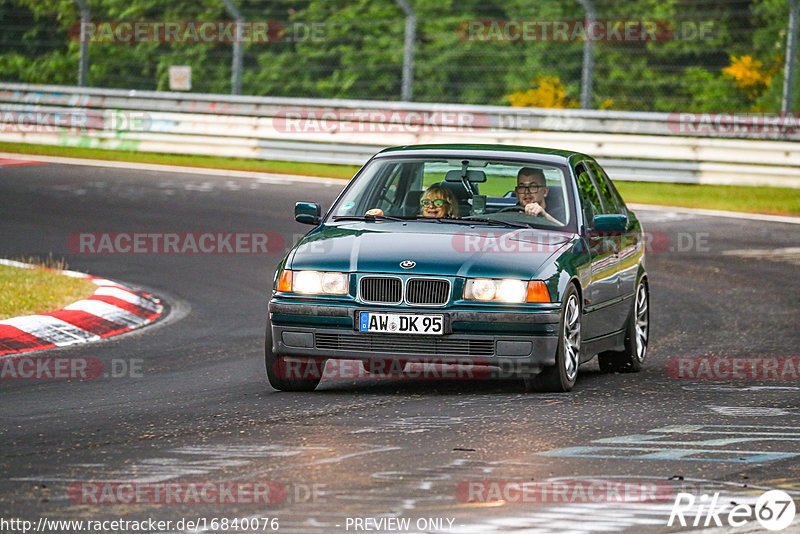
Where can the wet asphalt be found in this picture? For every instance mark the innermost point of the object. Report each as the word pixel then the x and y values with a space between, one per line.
pixel 197 407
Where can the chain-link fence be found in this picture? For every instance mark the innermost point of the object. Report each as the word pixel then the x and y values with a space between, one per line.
pixel 642 55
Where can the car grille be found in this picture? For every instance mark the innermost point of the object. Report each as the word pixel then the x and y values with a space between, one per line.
pixel 419 291
pixel 431 291
pixel 382 289
pixel 400 344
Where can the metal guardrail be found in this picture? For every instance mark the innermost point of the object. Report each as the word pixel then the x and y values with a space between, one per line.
pixel 632 146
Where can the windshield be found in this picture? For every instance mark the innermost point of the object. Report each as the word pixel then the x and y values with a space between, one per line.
pixel 459 190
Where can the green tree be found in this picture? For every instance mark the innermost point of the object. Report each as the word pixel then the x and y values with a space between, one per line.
pixel 354 49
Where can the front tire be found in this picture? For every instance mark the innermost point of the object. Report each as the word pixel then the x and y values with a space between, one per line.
pixel 631 359
pixel 562 376
pixel 300 374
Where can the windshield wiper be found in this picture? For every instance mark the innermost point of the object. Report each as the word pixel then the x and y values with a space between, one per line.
pixel 494 222
pixel 430 219
pixel 464 220
pixel 367 218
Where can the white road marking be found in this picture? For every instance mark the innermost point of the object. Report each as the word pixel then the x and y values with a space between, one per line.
pixel 334 459
pixel 661 444
pixel 415 425
pixel 261 177
pixel 717 213
pixel 586 518
pixel 202 460
pixel 750 411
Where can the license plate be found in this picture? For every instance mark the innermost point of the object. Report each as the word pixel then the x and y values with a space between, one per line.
pixel 401 323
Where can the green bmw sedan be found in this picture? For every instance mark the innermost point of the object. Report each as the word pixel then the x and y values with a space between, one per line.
pixel 517 258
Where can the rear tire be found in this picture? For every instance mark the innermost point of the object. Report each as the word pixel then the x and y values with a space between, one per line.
pixel 562 376
pixel 280 375
pixel 631 359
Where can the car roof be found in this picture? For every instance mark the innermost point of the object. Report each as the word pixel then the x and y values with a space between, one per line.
pixel 486 151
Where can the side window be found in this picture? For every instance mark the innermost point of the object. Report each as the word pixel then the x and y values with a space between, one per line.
pixel 611 201
pixel 392 192
pixel 617 196
pixel 390 188
pixel 589 199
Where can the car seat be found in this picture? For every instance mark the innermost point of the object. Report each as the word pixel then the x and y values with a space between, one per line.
pixel 411 205
pixel 462 196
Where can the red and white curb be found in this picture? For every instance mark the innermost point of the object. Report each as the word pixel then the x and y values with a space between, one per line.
pixel 13 162
pixel 112 310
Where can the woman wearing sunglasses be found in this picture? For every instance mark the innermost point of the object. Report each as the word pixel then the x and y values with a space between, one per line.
pixel 438 202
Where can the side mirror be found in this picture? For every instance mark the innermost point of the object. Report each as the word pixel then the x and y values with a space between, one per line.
pixel 610 223
pixel 307 212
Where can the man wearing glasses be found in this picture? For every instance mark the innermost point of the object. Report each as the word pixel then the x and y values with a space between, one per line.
pixel 532 194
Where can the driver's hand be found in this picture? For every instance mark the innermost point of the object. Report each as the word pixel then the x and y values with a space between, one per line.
pixel 534 209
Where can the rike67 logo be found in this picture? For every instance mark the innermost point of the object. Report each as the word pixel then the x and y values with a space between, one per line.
pixel 774 510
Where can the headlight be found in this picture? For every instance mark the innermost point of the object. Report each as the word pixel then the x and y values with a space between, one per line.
pixel 307 282
pixel 334 283
pixel 511 290
pixel 508 290
pixel 480 289
pixel 314 282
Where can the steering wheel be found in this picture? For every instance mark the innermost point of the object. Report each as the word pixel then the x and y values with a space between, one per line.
pixel 511 208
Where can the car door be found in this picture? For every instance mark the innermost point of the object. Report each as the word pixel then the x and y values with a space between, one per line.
pixel 625 249
pixel 601 290
pixel 630 247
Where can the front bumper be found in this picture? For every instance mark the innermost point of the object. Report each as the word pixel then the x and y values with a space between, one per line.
pixel 525 340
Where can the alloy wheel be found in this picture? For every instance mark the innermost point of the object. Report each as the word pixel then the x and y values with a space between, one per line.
pixel 572 337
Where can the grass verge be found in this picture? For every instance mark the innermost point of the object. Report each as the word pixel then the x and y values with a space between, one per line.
pixel 772 200
pixel 39 290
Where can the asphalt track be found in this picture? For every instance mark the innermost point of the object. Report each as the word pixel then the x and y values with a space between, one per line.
pixel 198 407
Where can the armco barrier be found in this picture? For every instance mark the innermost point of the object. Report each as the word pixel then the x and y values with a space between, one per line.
pixel 631 145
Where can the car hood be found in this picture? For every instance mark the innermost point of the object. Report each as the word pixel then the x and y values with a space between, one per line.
pixel 443 249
